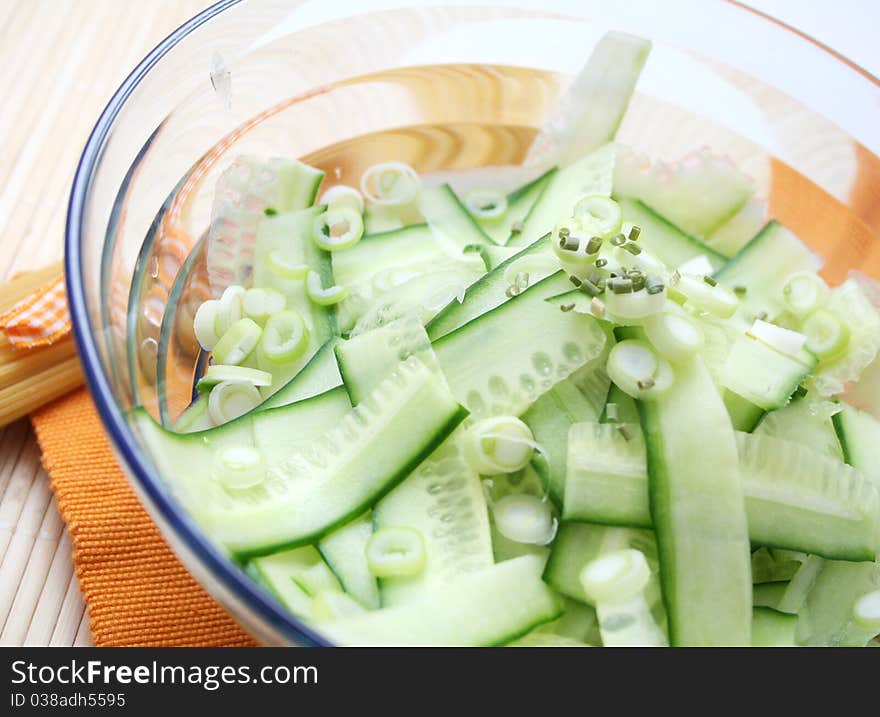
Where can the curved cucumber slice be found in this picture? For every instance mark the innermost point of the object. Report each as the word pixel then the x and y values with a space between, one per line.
pixel 489 607
pixel 859 435
pixel 294 577
pixel 320 374
pixel 519 203
pixel 345 552
pixel 449 220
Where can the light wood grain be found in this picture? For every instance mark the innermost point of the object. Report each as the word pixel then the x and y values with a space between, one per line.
pixel 61 61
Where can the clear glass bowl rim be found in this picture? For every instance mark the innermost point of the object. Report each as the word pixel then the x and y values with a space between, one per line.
pixel 228 576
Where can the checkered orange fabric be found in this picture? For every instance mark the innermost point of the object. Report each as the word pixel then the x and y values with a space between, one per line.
pixel 40 318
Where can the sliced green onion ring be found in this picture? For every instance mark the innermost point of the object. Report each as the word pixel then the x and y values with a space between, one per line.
pixel 486 204
pixel 637 370
pixel 338 228
pixel 866 611
pixel 598 215
pixel 804 292
pixel 321 296
pixel 230 308
pixel 237 343
pixel 783 340
pixel 239 467
pixel 343 196
pixel 396 552
pixel 390 184
pixel 218 373
pixel 675 335
pixel 501 444
pixel 615 577
pixel 717 300
pixel 827 336
pixel 635 306
pixel 231 399
pixel 525 519
pixel 205 324
pixel 285 337
pixel 334 604
pixel 259 304
pixel 283 269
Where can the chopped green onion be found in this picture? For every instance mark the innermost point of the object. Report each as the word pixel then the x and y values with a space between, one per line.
pixel 619 285
pixel 390 184
pixel 270 211
pixel 826 335
pixel 338 228
pixel 637 370
pixel 594 245
pixel 218 373
pixel 239 467
pixel 625 432
pixel 517 228
pixel 632 248
pixel 612 413
pixel 709 280
pixel 486 204
pixel 654 284
pixel 563 232
pixel 396 552
pixel 237 343
pixel 566 307
pixel 232 399
pixel 597 308
pixel 615 577
pixel 589 288
pixel 634 233
pixel 259 304
pixel 674 335
pixel 205 324
pixel 717 300
pixel 783 340
pixel 601 262
pixel 740 291
pixel 334 604
pixel 230 308
pixel 569 243
pixel 618 240
pixel 574 280
pixel 343 196
pixel 285 338
pixel 866 611
pixel 502 444
pixel 320 295
pixel 598 214
pixel 283 269
pixel 524 519
pixel 531 264
pixel 804 292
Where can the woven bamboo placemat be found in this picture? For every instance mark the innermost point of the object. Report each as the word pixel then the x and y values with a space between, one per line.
pixel 60 61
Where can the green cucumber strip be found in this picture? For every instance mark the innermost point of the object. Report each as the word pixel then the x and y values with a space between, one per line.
pixel 343 472
pixel 364 360
pixel 577 623
pixel 771 628
pixel 290 235
pixel 740 229
pixel 804 422
pixel 550 417
pixel 699 512
pixel 519 202
pixel 592 109
pixel 502 361
pixel 410 246
pixel 767 569
pixel 763 266
pixel 826 618
pixel 768 595
pixel 491 255
pixel 344 551
pixel 744 415
pixel 592 174
pixel 485 294
pixel 606 480
pixel 319 375
pixel 443 500
pixel 578 544
pixel 800 499
pixel 294 576
pixel 490 607
pixel 195 417
pixel 451 223
pixel 279 432
pixel 795 594
pixel 762 375
pixel 663 239
pixel 859 436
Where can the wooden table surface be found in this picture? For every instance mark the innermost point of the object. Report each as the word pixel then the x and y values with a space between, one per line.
pixel 61 61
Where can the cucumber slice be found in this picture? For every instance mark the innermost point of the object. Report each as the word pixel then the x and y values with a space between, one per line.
pixel 492 606
pixel 859 436
pixel 800 499
pixel 771 628
pixel 443 500
pixel 740 229
pixel 768 595
pixel 336 478
pixel 767 569
pixel 449 220
pixel 319 375
pixel 410 247
pixel 664 240
pixel 763 266
pixel 195 417
pixel 797 590
pixel 519 203
pixel 606 481
pixel 486 293
pixel 806 422
pixel 592 109
pixel 699 513
pixel 367 358
pixel 496 365
pixel 578 624
pixel 344 550
pixel 592 174
pixel 294 577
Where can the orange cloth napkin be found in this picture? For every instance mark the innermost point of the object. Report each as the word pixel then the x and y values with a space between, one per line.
pixel 137 592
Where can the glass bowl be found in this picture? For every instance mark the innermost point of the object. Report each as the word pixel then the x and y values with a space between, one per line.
pixel 442 86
